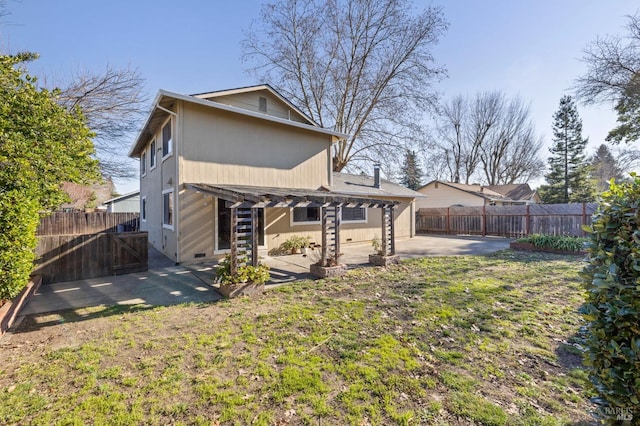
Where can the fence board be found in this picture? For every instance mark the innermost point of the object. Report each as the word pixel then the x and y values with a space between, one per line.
pixel 78 223
pixel 507 221
pixel 76 257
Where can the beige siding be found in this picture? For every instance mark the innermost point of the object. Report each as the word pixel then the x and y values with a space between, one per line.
pixel 278 226
pixel 446 196
pixel 152 185
pixel 251 101
pixel 197 220
pixel 224 148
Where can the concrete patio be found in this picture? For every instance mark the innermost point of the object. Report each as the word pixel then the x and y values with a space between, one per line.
pixel 167 284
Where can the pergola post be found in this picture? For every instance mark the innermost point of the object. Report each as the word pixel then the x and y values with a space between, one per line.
pixel 337 232
pixel 393 230
pixel 384 230
pixel 254 236
pixel 325 231
pixel 233 264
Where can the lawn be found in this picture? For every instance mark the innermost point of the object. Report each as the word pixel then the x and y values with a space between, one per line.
pixel 458 340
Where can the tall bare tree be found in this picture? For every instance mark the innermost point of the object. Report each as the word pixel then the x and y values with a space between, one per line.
pixel 613 75
pixel 487 138
pixel 361 67
pixel 113 103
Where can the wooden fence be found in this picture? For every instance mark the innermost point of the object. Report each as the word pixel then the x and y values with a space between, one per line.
pixel 75 257
pixel 79 223
pixel 507 221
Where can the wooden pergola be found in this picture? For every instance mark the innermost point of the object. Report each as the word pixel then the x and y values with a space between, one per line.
pixel 244 202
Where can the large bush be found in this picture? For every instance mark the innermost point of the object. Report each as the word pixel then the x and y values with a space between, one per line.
pixel 41 146
pixel 18 223
pixel 612 307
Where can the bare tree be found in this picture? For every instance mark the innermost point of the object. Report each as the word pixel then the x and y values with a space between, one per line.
pixel 510 150
pixel 361 67
pixel 487 138
pixel 113 104
pixel 613 75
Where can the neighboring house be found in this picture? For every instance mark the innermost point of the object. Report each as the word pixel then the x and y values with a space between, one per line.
pixel 447 194
pixel 127 203
pixel 202 155
pixel 83 197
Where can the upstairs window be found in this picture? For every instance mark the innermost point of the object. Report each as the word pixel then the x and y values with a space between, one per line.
pixel 143 164
pixel 305 215
pixel 167 141
pixel 152 154
pixel 354 214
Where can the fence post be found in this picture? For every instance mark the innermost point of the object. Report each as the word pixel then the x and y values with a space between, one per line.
pixel 484 220
pixel 448 219
pixel 527 226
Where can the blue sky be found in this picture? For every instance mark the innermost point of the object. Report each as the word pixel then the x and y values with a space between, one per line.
pixel 527 48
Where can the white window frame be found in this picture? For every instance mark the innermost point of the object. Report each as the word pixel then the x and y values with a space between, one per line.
pixel 169 153
pixel 153 155
pixel 143 208
pixel 143 164
pixel 315 222
pixel 172 199
pixel 366 216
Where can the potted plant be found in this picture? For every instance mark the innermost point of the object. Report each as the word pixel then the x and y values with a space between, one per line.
pixel 295 243
pixel 248 279
pixel 379 258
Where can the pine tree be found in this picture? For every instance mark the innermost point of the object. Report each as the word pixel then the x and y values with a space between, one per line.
pixel 411 171
pixel 568 180
pixel 604 167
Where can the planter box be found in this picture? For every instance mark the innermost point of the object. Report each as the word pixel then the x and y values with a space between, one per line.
pixel 530 247
pixel 241 289
pixel 9 311
pixel 327 271
pixel 380 260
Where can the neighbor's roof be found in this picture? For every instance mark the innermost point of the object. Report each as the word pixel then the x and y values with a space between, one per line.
pixel 361 185
pixel 256 88
pixel 123 197
pixel 163 103
pixel 512 192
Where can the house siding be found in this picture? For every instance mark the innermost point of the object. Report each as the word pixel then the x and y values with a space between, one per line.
pixel 225 148
pixel 446 196
pixel 251 101
pixel 152 185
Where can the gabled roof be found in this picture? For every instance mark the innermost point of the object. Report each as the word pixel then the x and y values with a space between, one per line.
pixel 256 88
pixel 514 191
pixel 123 197
pixel 504 193
pixel 163 103
pixel 361 185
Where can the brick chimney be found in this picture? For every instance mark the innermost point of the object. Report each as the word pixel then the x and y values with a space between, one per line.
pixel 376 175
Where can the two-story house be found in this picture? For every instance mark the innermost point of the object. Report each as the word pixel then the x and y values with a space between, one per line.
pixel 202 155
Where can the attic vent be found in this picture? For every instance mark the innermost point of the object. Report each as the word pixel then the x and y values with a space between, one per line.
pixel 263 104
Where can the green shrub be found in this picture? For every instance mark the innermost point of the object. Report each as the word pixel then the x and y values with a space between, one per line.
pixel 244 274
pixel 296 242
pixel 612 306
pixel 19 220
pixel 555 242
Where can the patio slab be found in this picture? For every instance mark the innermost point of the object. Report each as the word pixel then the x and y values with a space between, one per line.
pixel 166 283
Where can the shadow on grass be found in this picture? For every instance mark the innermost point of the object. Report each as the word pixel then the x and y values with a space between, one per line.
pixel 35 322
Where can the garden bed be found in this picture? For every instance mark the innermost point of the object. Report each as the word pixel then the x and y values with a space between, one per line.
pixel 514 245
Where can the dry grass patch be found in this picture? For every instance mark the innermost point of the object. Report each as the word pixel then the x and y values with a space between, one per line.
pixel 486 340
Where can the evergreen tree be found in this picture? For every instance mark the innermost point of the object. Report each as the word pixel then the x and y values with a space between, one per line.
pixel 568 180
pixel 411 171
pixel 604 167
